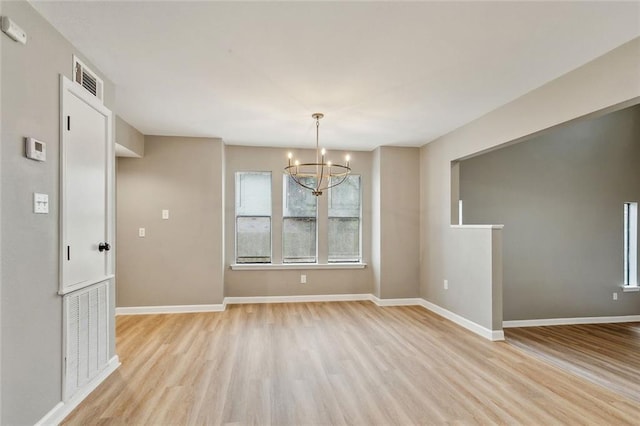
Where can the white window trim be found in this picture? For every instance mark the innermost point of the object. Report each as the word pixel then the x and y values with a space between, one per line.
pixel 631 247
pixel 294 266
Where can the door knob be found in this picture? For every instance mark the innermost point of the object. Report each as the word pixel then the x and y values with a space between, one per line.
pixel 104 247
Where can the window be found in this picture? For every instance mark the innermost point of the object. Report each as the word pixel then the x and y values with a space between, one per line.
pixel 631 244
pixel 299 222
pixel 253 217
pixel 344 221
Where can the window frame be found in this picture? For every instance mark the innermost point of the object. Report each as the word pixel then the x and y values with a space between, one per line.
pixel 630 245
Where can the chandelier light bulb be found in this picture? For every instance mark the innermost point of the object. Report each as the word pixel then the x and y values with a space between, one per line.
pixel 290 155
pixel 323 152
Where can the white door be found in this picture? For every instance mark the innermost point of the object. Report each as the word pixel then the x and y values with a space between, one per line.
pixel 86 189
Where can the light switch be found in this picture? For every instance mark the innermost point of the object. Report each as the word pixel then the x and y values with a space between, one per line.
pixel 40 203
pixel 165 214
pixel 141 232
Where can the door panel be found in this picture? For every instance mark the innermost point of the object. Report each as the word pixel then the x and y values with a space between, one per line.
pixel 84 197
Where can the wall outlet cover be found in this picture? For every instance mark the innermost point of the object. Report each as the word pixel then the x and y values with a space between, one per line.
pixel 40 203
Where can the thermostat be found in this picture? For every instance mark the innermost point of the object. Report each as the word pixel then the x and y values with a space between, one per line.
pixel 35 149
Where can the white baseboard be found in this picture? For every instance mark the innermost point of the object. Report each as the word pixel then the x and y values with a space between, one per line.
pixel 171 309
pixel 493 335
pixel 63 409
pixel 294 299
pixel 570 321
pixel 54 413
pixel 180 309
pixel 415 301
pixel 323 298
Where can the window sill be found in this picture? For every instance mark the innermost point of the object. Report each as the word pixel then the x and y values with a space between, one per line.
pixel 630 288
pixel 293 266
pixel 477 226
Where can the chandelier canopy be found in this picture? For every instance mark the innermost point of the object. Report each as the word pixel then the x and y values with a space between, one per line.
pixel 322 174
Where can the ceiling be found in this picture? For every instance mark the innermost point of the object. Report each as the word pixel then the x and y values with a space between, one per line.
pixel 384 73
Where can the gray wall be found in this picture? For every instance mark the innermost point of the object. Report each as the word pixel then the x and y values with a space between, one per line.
pixel 129 137
pixel 287 282
pixel 179 262
pixel 560 197
pixel 607 82
pixel 174 174
pixel 397 222
pixel 1 380
pixel 31 357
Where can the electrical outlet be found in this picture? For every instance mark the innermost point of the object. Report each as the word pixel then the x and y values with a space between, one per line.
pixel 142 232
pixel 446 284
pixel 165 214
pixel 615 296
pixel 303 279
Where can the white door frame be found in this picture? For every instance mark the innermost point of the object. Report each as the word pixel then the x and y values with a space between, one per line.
pixel 68 86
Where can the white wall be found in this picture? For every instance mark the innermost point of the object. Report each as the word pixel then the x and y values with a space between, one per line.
pixel 610 81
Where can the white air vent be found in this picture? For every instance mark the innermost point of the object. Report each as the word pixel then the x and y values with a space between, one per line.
pixel 86 336
pixel 87 78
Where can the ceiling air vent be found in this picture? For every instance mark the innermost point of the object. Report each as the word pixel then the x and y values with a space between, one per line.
pixel 87 78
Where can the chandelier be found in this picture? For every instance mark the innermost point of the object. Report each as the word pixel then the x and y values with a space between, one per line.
pixel 325 173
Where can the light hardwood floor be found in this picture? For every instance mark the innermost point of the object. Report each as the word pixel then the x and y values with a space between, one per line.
pixel 334 363
pixel 605 354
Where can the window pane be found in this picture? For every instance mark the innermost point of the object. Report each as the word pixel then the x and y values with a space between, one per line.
pixel 299 222
pixel 299 240
pixel 344 239
pixel 299 201
pixel 344 199
pixel 344 221
pixel 253 194
pixel 631 244
pixel 253 217
pixel 253 239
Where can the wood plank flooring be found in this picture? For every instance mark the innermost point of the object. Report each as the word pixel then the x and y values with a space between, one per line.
pixel 605 354
pixel 333 363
